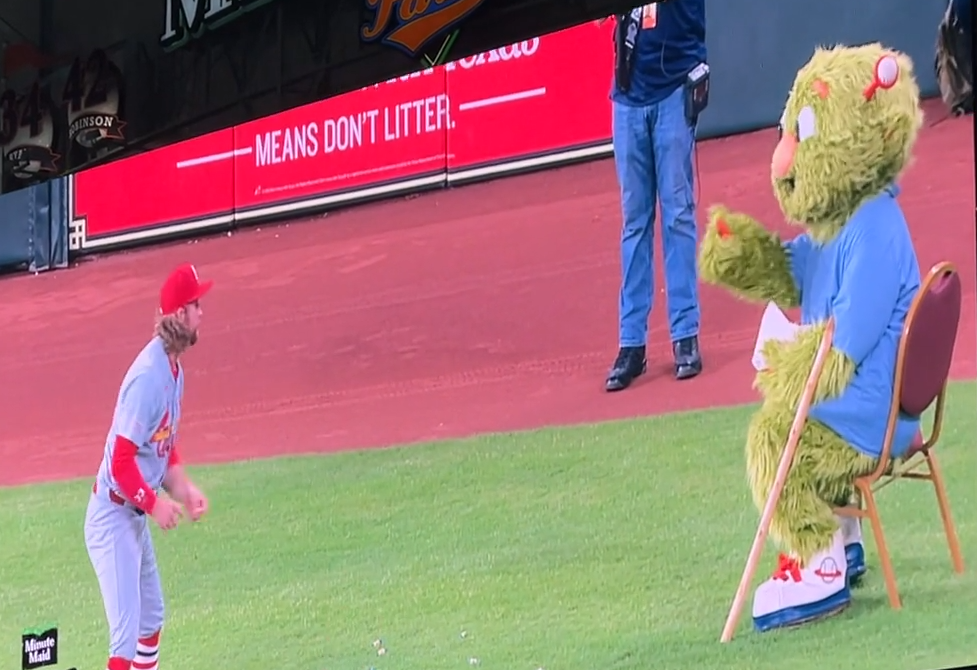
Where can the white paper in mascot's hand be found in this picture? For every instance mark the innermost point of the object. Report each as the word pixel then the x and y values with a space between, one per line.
pixel 773 326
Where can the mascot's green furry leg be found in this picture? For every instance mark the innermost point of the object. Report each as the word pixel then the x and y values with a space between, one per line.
pixel 812 579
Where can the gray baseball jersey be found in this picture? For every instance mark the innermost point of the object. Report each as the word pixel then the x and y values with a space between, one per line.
pixel 147 414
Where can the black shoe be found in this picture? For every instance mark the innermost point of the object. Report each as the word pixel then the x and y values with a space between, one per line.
pixel 630 363
pixel 688 362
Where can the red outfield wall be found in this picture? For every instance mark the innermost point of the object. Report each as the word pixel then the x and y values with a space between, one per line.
pixel 538 102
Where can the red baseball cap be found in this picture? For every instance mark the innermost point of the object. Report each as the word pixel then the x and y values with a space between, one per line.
pixel 182 287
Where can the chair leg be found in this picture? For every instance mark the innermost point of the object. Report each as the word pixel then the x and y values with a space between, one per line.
pixel 887 572
pixel 941 499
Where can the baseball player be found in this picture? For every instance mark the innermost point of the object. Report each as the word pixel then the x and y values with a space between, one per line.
pixel 141 458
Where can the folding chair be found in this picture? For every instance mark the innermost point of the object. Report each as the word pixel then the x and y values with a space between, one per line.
pixel 922 370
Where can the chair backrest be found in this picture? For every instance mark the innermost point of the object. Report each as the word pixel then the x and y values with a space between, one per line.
pixel 928 337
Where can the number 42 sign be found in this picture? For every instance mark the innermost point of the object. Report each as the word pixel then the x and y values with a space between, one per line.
pixel 36 129
pixel 92 99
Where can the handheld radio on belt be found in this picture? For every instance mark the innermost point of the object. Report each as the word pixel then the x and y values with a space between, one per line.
pixel 696 92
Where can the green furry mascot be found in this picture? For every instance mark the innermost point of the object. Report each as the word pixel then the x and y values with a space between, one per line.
pixel 846 136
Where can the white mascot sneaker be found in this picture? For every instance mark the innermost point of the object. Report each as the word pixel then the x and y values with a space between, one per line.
pixel 796 595
pixel 851 530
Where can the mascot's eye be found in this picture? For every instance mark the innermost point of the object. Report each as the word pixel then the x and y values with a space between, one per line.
pixel 806 124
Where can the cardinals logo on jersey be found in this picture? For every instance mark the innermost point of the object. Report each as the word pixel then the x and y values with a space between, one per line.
pixel 164 437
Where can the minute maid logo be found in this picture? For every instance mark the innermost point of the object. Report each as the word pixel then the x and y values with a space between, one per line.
pixel 39 647
pixel 410 25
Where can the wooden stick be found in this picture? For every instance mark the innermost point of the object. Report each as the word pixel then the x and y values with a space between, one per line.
pixel 786 460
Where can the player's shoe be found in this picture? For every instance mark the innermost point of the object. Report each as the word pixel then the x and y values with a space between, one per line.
pixel 851 531
pixel 796 595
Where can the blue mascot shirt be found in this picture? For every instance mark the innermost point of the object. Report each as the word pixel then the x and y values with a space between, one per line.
pixel 866 278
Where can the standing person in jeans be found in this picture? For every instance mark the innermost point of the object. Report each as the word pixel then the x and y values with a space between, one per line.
pixel 657 47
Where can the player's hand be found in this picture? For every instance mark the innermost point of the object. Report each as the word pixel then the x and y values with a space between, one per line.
pixel 166 513
pixel 196 503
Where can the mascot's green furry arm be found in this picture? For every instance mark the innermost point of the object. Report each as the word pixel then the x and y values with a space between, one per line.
pixel 846 136
pixel 740 254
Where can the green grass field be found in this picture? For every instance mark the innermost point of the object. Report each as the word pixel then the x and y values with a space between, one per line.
pixel 606 547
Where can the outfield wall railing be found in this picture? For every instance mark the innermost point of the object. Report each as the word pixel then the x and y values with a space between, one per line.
pixel 526 106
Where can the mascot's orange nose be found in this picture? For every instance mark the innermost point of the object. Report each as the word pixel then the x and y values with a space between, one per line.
pixel 783 156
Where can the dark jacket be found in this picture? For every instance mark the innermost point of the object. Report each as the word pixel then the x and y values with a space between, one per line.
pixel 664 55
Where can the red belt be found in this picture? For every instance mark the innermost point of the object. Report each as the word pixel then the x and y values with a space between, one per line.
pixel 115 498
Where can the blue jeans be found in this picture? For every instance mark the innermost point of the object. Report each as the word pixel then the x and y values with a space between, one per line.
pixel 653 149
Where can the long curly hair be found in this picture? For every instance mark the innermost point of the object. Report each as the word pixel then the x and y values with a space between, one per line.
pixel 176 335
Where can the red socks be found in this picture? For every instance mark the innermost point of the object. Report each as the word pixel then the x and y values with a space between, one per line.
pixel 147 653
pixel 116 663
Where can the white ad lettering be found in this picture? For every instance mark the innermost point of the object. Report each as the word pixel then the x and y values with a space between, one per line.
pixel 353 131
